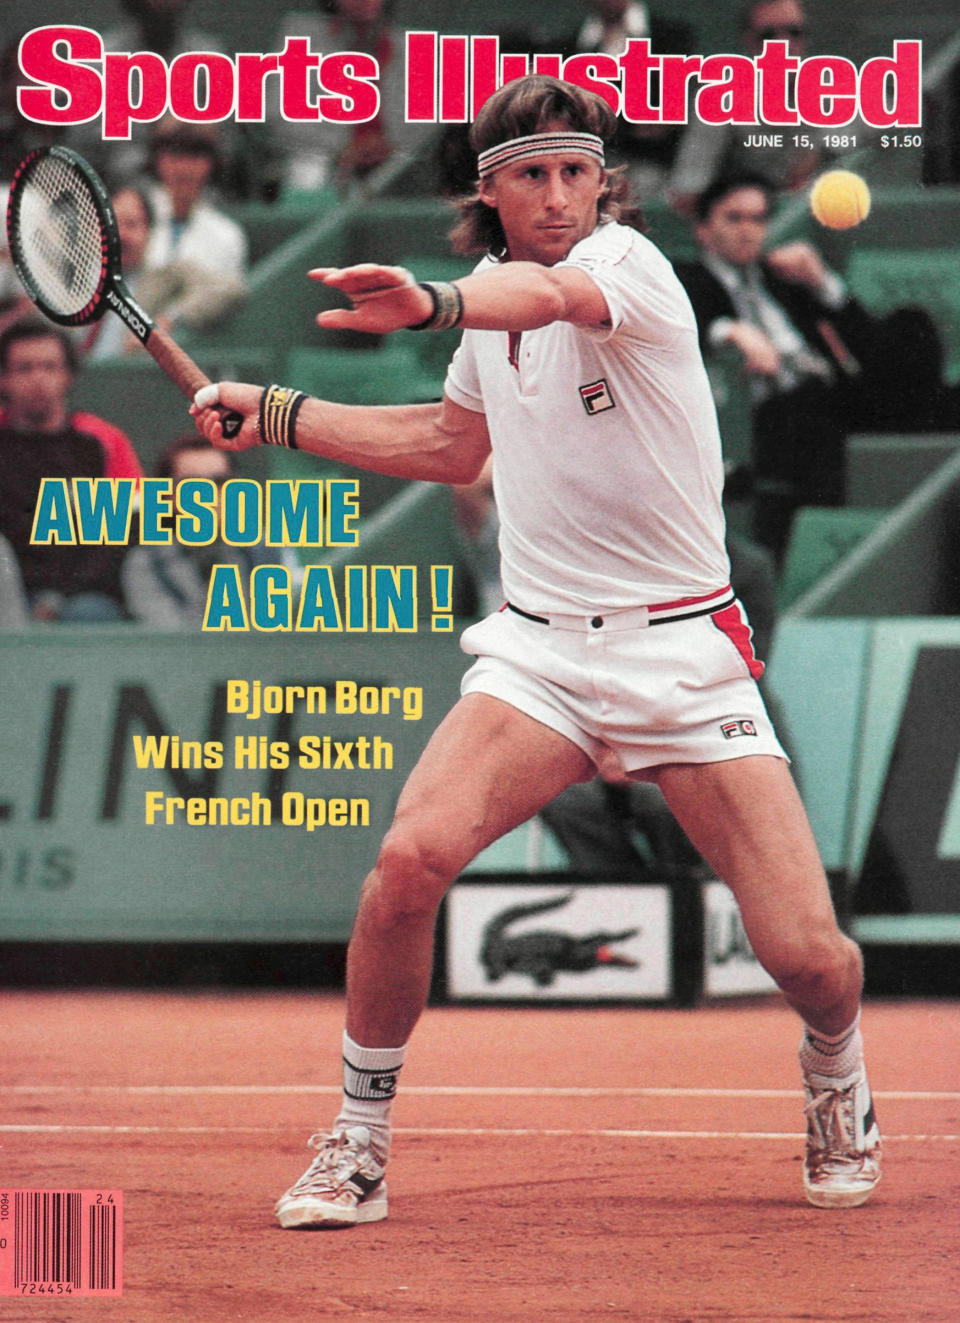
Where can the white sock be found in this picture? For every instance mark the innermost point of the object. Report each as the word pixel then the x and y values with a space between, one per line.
pixel 832 1056
pixel 369 1086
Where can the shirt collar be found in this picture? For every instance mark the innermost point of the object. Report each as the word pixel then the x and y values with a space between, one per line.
pixel 731 277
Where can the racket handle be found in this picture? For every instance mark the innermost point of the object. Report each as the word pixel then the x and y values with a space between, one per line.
pixel 177 364
pixel 185 375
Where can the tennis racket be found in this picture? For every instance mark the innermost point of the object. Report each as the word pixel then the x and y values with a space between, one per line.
pixel 65 248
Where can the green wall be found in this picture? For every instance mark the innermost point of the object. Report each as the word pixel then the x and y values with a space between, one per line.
pixel 77 860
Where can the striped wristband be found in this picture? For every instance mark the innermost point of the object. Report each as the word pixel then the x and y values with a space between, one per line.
pixel 447 306
pixel 279 406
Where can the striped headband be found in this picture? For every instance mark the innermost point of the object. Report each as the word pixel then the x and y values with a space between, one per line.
pixel 538 144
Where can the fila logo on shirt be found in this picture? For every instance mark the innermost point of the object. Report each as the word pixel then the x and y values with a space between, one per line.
pixel 731 729
pixel 596 396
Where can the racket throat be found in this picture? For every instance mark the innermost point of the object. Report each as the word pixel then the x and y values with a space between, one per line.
pixel 130 313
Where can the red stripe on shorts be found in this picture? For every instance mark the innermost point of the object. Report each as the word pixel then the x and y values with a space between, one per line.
pixel 730 621
pixel 689 601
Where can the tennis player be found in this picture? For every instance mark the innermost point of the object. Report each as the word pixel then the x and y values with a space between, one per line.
pixel 621 647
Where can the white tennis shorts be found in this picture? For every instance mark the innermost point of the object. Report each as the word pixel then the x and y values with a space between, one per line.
pixel 631 696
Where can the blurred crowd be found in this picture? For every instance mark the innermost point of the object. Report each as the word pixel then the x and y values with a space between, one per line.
pixel 815 365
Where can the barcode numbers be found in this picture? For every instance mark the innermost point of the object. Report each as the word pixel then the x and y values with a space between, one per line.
pixel 61 1242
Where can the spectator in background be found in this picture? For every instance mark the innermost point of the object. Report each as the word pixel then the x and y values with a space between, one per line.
pixel 159 25
pixel 187 227
pixel 41 438
pixel 708 152
pixel 165 587
pixel 320 153
pixel 18 136
pixel 804 343
pixel 179 295
pixel 621 828
pixel 163 26
pixel 647 150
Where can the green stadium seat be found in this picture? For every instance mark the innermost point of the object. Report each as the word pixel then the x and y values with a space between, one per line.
pixel 819 539
pixel 132 392
pixel 885 278
pixel 385 229
pixel 267 225
pixel 434 350
pixel 530 848
pixel 388 373
pixel 385 373
pixel 670 231
pixel 731 395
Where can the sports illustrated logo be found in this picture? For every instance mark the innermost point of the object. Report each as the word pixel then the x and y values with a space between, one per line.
pixel 596 397
pixel 731 729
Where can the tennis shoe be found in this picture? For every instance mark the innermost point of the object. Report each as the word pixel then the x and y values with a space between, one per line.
pixel 342 1187
pixel 842 1163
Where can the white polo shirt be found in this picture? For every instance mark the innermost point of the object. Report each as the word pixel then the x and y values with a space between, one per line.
pixel 607 462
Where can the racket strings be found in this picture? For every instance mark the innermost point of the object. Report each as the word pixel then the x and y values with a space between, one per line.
pixel 61 236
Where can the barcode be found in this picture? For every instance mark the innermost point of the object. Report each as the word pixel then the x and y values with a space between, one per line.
pixel 46 1238
pixel 61 1242
pixel 103 1247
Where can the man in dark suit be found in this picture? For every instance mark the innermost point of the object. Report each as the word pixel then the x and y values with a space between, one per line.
pixel 805 344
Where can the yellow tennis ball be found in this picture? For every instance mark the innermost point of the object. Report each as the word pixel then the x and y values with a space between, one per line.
pixel 840 199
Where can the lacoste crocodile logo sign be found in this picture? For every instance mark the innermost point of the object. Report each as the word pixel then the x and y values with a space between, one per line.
pixel 544 953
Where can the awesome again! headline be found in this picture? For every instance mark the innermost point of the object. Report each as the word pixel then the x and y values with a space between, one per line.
pixel 244 513
pixel 73 80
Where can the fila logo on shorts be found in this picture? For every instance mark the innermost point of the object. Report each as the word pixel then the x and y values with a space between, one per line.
pixel 596 396
pixel 731 729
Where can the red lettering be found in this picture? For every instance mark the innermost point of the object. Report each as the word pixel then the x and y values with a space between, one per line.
pixel 901 76
pixel 351 99
pixel 40 61
pixel 775 65
pixel 731 98
pixel 251 72
pixel 295 62
pixel 185 87
pixel 485 65
pixel 827 90
pixel 421 92
pixel 513 67
pixel 453 80
pixel 144 70
pixel 591 72
pixel 66 87
pixel 547 64
pixel 637 64
pixel 677 72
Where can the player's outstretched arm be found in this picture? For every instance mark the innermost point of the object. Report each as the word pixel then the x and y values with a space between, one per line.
pixel 516 296
pixel 439 442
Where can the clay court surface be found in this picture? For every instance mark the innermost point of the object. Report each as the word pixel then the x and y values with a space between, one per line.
pixel 548 1164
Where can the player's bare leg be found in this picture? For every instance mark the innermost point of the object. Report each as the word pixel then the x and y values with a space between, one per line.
pixel 487 768
pixel 746 818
